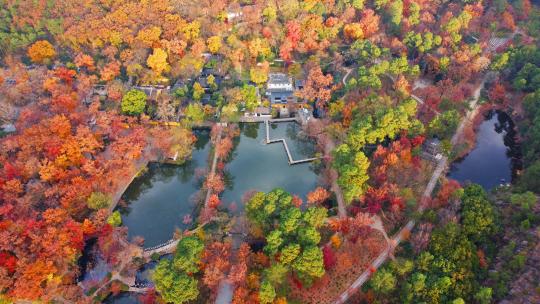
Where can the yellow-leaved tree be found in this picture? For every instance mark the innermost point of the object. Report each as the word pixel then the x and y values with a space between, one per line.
pixel 214 44
pixel 259 74
pixel 157 61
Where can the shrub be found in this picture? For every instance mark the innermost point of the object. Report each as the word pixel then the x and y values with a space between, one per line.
pixel 115 219
pixel 98 200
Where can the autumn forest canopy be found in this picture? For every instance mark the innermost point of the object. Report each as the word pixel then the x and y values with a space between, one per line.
pixel 388 95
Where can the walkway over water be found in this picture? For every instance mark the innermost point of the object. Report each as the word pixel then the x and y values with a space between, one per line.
pixel 284 142
pixel 161 249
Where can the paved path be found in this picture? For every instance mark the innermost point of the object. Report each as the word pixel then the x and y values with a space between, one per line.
pixel 401 234
pixel 416 84
pixel 214 163
pixel 226 288
pixel 342 210
pixel 470 114
pixel 344 80
pixel 378 225
pixel 421 101
pixel 398 237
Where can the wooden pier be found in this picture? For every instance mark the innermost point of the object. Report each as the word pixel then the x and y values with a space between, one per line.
pixel 282 140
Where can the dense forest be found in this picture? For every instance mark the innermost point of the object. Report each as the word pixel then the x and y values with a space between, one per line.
pixel 92 91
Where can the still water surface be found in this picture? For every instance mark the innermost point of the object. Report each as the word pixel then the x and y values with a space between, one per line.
pixel 495 156
pixel 158 201
pixel 258 166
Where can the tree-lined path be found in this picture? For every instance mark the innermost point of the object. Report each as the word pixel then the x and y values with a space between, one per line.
pixel 405 230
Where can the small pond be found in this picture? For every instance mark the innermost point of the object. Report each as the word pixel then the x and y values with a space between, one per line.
pixel 255 165
pixel 495 157
pixel 158 200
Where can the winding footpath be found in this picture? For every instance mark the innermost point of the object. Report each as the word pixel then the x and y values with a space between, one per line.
pixel 344 80
pixel 405 230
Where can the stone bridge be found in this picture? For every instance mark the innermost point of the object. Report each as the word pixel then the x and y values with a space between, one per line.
pixel 161 249
pixel 140 287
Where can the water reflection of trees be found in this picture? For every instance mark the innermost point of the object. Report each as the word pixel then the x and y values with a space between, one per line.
pixel 228 179
pixel 296 137
pixel 203 137
pixel 165 173
pixel 140 184
pixel 250 130
pixel 505 124
pixel 156 172
pixel 143 275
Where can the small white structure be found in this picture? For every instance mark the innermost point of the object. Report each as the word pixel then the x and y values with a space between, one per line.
pixel 233 15
pixel 8 128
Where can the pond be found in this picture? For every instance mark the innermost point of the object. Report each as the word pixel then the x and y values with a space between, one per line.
pixel 255 165
pixel 158 200
pixel 495 157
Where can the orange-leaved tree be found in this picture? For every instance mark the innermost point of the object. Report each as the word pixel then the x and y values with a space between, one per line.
pixel 41 51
